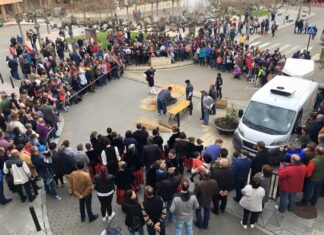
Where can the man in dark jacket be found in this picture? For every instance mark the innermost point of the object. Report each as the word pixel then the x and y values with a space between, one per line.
pixel 175 134
pixel 13 65
pixel 42 168
pixel 64 164
pixel 151 153
pixel 189 94
pixel 205 189
pixel 261 158
pixel 223 175
pixel 241 168
pixel 154 212
pixel 181 148
pixel 166 189
pixel 149 75
pixel 141 136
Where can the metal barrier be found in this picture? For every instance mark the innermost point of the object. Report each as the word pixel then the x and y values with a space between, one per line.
pixel 274 187
pixel 1 78
pixel 35 219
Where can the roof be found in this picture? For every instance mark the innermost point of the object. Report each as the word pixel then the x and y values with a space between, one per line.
pixel 299 68
pixel 301 87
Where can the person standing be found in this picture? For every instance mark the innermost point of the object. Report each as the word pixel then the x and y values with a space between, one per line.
pixel 274 28
pixel 182 206
pixel 241 168
pixel 315 175
pixel 162 100
pixel 42 167
pixel 223 175
pixel 219 84
pixel 166 189
pixel 20 173
pixel 81 186
pixel 205 189
pixel 213 94
pixel 13 65
pixel 105 187
pixel 132 208
pixel 154 212
pixel 260 159
pixel 207 103
pixel 149 75
pixel 291 181
pixel 110 157
pixel 189 94
pixel 252 202
pixel 49 116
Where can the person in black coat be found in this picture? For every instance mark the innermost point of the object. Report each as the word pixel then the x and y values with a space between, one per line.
pixel 151 153
pixel 104 185
pixel 124 180
pixel 175 134
pixel 223 174
pixel 141 136
pixel 149 75
pixel 134 163
pixel 166 189
pixel 154 212
pixel 261 158
pixel 157 139
pixel 133 210
pixel 181 147
pixel 219 84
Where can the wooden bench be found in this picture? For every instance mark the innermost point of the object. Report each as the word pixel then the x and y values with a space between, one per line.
pixel 178 108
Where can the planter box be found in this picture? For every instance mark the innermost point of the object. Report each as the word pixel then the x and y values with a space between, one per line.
pixel 221 104
pixel 160 61
pixel 223 130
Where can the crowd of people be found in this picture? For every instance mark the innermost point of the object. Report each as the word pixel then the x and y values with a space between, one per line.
pixel 118 167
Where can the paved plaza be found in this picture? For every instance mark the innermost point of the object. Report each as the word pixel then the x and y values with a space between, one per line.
pixel 117 105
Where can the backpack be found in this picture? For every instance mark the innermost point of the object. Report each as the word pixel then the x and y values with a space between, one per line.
pixel 136 223
pixel 113 230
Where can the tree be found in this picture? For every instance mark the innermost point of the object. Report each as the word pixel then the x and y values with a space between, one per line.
pixel 322 59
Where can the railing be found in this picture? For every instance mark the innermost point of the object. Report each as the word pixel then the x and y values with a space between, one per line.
pixel 274 187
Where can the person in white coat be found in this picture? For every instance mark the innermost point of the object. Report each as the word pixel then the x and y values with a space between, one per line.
pixel 19 175
pixel 252 202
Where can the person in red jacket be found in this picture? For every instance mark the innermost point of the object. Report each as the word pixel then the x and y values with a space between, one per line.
pixel 291 181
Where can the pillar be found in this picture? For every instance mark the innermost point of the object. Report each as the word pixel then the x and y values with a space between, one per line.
pixel 4 13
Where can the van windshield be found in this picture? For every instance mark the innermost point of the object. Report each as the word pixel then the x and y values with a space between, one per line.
pixel 268 119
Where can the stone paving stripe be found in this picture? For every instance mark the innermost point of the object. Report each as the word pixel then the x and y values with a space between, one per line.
pixel 264 44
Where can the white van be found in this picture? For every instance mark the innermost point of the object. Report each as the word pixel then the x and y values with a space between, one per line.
pixel 299 68
pixel 274 112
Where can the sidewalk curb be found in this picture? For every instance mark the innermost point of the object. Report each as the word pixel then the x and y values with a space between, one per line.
pixel 46 223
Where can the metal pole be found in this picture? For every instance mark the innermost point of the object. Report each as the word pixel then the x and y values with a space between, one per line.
pixel 35 219
pixel 12 83
pixel 1 78
pixel 308 41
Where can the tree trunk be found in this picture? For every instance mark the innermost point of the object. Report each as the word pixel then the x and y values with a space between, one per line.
pixel 173 7
pixel 71 37
pixel 157 7
pixel 20 30
pixel 127 13
pixel 152 8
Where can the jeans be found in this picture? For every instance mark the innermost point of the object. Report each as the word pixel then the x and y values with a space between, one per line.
pixel 284 196
pixel 161 106
pixel 239 185
pixel 206 116
pixel 253 218
pixel 50 187
pixel 140 231
pixel 152 231
pixel 170 217
pixel 203 222
pixel 105 205
pixel 312 191
pixel 188 225
pixel 27 188
pixel 2 197
pixel 86 202
pixel 216 200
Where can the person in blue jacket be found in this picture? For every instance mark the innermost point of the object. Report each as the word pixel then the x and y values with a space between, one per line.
pixel 241 167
